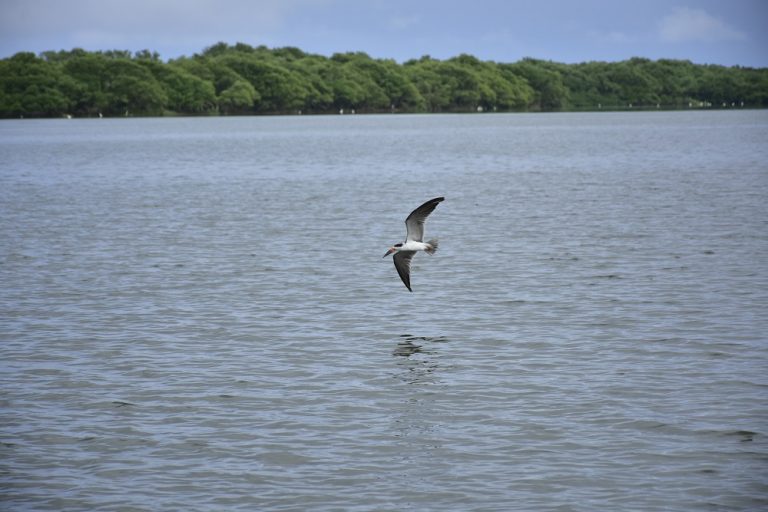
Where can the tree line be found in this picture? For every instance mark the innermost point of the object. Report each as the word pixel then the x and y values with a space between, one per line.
pixel 242 79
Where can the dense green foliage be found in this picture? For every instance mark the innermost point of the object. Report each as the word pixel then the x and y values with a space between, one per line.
pixel 241 79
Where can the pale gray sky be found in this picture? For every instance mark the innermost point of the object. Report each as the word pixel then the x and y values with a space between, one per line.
pixel 732 32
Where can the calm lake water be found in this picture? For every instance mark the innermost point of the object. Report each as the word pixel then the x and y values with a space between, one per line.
pixel 196 315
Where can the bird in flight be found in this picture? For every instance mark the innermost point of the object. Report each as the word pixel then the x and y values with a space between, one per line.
pixel 403 253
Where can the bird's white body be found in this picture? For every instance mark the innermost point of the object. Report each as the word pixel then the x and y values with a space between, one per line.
pixel 413 245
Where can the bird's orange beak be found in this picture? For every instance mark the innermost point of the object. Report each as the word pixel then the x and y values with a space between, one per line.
pixel 390 251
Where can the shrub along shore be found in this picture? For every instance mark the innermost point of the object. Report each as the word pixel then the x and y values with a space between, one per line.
pixel 241 79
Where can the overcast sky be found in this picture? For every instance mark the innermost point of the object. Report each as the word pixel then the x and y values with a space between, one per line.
pixel 728 32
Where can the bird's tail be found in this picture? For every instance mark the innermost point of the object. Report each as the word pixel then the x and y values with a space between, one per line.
pixel 432 246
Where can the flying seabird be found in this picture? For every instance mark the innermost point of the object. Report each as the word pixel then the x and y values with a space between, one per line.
pixel 413 240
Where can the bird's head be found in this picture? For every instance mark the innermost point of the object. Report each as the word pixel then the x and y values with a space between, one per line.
pixel 392 249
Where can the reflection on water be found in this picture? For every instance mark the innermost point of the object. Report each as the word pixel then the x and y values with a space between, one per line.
pixel 406 349
pixel 414 417
pixel 418 352
pixel 407 346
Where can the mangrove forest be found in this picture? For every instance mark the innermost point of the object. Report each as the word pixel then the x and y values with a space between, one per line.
pixel 241 79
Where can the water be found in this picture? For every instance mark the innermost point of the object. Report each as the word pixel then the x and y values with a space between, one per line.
pixel 196 314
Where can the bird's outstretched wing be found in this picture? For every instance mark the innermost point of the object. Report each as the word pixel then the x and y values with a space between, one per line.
pixel 414 224
pixel 402 261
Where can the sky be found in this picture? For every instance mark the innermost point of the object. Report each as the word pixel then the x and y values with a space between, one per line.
pixel 726 32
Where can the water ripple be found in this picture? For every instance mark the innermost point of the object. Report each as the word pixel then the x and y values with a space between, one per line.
pixel 196 315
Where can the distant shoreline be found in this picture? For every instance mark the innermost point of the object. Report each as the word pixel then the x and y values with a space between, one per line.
pixel 169 115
